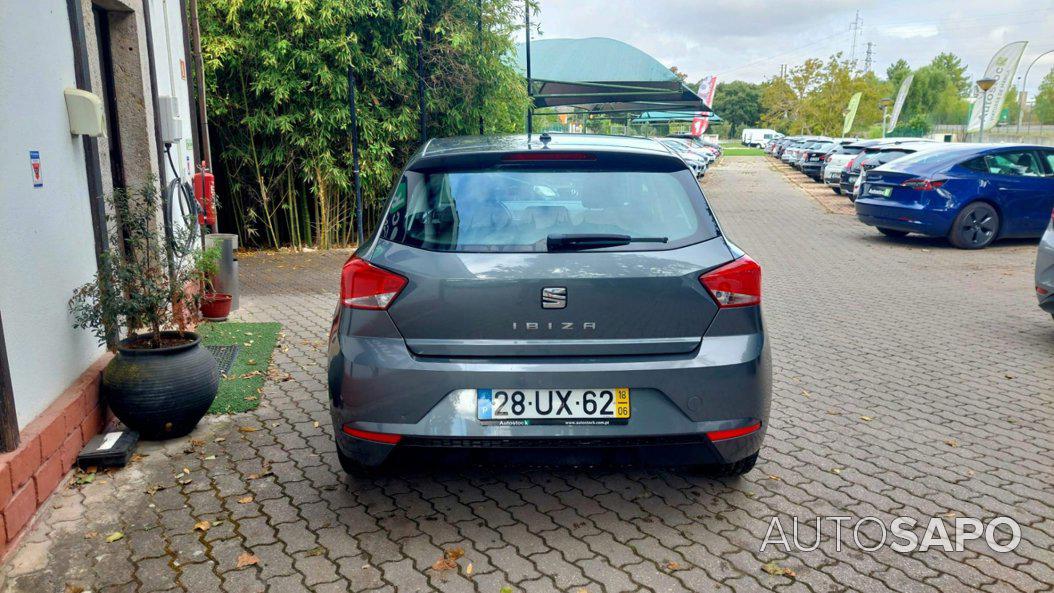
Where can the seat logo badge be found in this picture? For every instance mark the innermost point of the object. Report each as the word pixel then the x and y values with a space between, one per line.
pixel 554 297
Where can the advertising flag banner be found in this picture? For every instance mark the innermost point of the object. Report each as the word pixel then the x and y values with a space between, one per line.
pixel 699 124
pixel 1002 69
pixel 707 87
pixel 902 95
pixel 850 113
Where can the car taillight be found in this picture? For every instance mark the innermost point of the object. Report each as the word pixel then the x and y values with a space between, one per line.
pixel 923 184
pixel 849 165
pixel 365 286
pixel 737 284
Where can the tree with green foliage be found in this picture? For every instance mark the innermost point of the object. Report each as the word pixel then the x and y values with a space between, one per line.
pixel 739 104
pixel 951 65
pixel 1044 107
pixel 1012 105
pixel 276 75
pixel 897 72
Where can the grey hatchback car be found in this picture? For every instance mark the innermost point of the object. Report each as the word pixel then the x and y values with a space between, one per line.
pixel 566 297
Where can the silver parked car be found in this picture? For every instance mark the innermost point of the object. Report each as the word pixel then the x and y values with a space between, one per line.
pixel 568 296
pixel 1045 269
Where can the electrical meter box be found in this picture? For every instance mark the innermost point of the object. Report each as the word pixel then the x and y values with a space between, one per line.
pixel 171 123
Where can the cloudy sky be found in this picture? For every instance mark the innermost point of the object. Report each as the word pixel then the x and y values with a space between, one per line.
pixel 749 39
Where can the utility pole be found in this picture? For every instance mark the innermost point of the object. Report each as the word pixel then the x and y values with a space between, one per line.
pixel 868 56
pixel 854 28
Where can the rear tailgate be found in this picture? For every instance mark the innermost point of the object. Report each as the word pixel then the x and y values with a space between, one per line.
pixel 605 303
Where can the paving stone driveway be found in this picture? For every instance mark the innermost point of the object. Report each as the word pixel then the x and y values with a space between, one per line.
pixel 910 379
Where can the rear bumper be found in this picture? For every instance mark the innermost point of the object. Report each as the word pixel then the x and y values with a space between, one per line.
pixel 377 385
pixel 912 218
pixel 811 168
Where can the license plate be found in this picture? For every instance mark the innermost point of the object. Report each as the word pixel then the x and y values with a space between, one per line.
pixel 525 407
pixel 880 191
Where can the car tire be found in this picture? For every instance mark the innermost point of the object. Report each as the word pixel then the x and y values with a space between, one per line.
pixel 837 189
pixel 892 232
pixel 731 470
pixel 975 227
pixel 355 469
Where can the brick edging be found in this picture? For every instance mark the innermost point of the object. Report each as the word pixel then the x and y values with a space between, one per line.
pixel 48 449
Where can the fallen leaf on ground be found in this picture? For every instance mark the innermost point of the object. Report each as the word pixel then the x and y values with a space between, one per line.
pixel 155 489
pixel 444 564
pixel 202 526
pixel 454 553
pixel 197 442
pixel 74 589
pixel 774 477
pixel 137 457
pixel 777 570
pixel 247 429
pixel 186 471
pixel 208 458
pixel 805 392
pixel 251 398
pixel 91 535
pixel 220 439
pixel 316 551
pixel 866 418
pixel 115 536
pixel 247 559
pixel 672 566
pixel 836 470
pixel 245 500
pixel 316 424
pixel 468 569
pixel 951 443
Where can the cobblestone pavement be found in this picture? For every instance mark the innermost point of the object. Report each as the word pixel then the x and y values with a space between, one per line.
pixel 911 379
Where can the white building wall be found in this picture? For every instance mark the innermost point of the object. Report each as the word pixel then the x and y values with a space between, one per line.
pixel 46 240
pixel 172 73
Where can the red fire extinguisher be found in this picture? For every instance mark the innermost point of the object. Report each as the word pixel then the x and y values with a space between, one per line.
pixel 204 193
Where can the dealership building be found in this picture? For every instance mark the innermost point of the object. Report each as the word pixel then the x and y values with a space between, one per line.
pixel 91 93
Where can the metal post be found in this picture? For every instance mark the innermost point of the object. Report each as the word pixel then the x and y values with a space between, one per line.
pixel 355 153
pixel 984 105
pixel 884 119
pixel 1024 85
pixel 423 121
pixel 199 73
pixel 479 32
pixel 530 93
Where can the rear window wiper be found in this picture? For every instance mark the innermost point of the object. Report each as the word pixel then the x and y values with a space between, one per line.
pixel 578 242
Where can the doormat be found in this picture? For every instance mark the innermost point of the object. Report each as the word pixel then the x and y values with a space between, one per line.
pixel 225 356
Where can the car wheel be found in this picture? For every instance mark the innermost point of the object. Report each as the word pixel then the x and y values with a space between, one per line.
pixel 837 189
pixel 730 470
pixel 892 232
pixel 975 227
pixel 355 469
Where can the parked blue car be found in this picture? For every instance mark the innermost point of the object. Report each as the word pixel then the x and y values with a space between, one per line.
pixel 970 193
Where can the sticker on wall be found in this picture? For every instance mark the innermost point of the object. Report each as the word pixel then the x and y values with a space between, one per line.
pixel 183 69
pixel 34 165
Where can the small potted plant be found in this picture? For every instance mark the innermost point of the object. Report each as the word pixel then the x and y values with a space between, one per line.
pixel 161 381
pixel 215 306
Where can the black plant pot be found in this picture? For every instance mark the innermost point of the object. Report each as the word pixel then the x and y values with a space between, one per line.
pixel 161 393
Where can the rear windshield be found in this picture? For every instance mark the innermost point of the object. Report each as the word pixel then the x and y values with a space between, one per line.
pixel 517 210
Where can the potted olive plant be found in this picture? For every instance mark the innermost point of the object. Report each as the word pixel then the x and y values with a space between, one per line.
pixel 160 381
pixel 215 306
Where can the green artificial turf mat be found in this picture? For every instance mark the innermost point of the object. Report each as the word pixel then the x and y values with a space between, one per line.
pixel 240 388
